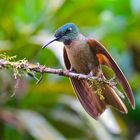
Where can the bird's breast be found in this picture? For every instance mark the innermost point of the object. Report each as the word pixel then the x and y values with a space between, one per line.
pixel 81 57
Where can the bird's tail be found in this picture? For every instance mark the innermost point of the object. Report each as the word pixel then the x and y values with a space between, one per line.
pixel 96 97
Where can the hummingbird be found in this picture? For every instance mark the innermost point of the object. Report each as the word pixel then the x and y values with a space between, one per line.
pixel 87 56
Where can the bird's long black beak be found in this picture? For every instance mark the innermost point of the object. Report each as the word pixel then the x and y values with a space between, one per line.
pixel 55 39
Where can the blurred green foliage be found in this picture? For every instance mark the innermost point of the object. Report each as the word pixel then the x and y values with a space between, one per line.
pixel 23 23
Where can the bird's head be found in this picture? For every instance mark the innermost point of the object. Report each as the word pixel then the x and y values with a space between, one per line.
pixel 66 33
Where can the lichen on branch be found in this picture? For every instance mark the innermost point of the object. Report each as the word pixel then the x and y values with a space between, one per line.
pixel 31 69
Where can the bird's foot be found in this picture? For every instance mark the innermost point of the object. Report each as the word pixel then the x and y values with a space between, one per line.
pixel 95 79
pixel 91 77
pixel 92 80
pixel 113 78
pixel 112 81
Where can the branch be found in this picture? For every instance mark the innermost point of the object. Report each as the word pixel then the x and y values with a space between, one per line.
pixel 23 65
pixel 30 68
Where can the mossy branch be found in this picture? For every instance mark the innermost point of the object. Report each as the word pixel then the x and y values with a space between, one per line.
pixel 31 69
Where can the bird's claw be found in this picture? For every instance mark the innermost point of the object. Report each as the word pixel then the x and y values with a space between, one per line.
pixel 113 78
pixel 112 81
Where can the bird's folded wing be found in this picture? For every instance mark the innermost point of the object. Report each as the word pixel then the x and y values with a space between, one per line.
pixel 105 58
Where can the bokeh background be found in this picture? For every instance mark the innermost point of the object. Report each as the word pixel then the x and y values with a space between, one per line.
pixel 50 110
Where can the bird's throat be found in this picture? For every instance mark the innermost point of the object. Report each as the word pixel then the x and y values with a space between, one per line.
pixel 67 42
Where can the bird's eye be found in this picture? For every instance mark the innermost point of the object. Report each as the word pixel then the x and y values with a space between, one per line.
pixel 69 29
